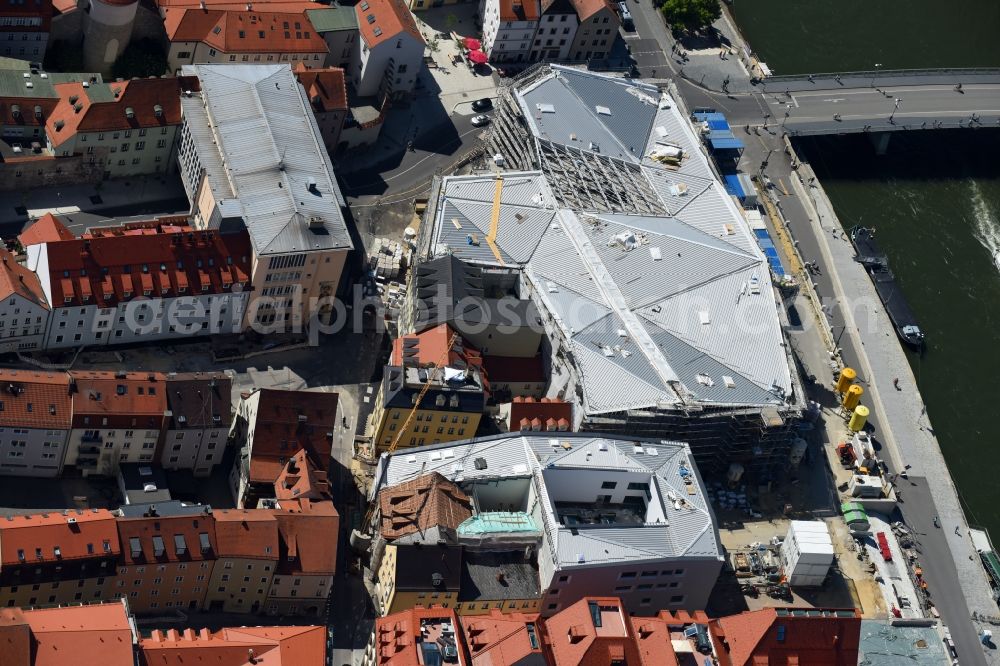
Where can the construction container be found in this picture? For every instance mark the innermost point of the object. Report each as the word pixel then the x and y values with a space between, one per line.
pixel 847 377
pixel 865 486
pixel 852 397
pixel 858 419
pixel 806 553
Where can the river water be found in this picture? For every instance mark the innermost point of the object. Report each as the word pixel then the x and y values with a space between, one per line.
pixel 935 198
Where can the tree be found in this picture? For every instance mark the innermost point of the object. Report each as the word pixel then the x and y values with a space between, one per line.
pixel 141 58
pixel 691 15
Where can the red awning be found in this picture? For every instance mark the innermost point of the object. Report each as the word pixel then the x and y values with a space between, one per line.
pixel 478 57
pixel 472 43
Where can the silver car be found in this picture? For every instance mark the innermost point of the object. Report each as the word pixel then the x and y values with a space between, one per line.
pixel 480 120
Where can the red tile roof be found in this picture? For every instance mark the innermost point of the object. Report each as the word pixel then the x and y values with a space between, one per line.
pixel 651 636
pixel 27 114
pixel 154 539
pixel 287 422
pixel 392 18
pixel 519 10
pixel 548 414
pixel 500 639
pixel 77 112
pixel 17 279
pixel 15 638
pixel 135 399
pixel 94 634
pixel 308 532
pixel 300 478
pixel 45 229
pixel 576 641
pixel 121 264
pixel 77 535
pixel 326 88
pixel 586 9
pixel 427 501
pixel 398 637
pixel 249 533
pixel 34 399
pixel 242 31
pixel 785 637
pixel 237 646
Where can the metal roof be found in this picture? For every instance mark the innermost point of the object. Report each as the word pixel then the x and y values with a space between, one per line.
pixel 333 18
pixel 688 528
pixel 258 142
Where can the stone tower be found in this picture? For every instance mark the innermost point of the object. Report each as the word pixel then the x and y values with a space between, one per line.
pixel 107 29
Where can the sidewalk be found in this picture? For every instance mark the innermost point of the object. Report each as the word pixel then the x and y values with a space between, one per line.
pixel 143 195
pixel 717 67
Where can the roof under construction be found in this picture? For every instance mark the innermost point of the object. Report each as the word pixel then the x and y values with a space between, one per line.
pixel 631 245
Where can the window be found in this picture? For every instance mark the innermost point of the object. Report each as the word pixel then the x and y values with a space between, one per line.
pixel 679 599
pixel 609 485
pixel 626 574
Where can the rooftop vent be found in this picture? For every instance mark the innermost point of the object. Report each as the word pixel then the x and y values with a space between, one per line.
pixel 129 112
pixel 15 110
pixel 603 110
pixel 157 110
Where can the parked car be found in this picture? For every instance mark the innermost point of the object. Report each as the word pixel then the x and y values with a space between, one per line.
pixel 480 120
pixel 484 104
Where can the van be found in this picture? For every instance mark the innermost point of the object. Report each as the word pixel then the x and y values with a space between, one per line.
pixel 626 16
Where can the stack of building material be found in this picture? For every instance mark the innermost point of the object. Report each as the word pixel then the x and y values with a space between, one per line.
pixel 807 553
pixel 389 259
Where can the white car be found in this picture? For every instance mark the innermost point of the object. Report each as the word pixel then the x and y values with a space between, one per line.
pixel 480 120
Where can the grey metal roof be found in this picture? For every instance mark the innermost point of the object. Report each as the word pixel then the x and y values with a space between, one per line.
pixel 883 644
pixel 688 528
pixel 480 581
pixel 268 155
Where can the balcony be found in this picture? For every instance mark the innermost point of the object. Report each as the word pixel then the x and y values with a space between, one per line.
pixel 89 451
pixel 87 463
pixel 91 437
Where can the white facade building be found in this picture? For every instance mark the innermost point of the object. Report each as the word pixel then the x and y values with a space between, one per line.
pixel 24 311
pixel 198 423
pixel 509 28
pixel 390 51
pixel 35 418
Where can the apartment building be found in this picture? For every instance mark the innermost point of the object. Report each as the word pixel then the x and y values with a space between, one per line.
pixel 24 311
pixel 630 517
pixel 307 558
pixel 168 551
pixel 142 282
pixel 245 35
pixel 200 415
pixel 418 575
pixel 272 426
pixel 24 29
pixel 36 415
pixel 327 92
pixel 118 417
pixel 129 127
pixel 556 31
pixel 58 558
pixel 252 156
pixel 509 28
pixel 416 636
pixel 597 32
pixel 274 646
pixel 247 556
pixel 449 411
pixel 390 51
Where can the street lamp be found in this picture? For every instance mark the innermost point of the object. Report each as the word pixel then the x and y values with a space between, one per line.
pixel 763 164
pixel 874 74
pixel 895 107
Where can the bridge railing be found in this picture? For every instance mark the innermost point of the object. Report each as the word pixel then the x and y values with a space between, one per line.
pixel 890 73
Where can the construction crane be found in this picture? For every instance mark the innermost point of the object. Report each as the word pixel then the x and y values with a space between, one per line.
pixel 403 429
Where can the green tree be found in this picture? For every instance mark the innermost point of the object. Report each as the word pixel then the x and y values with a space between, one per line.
pixel 691 15
pixel 142 58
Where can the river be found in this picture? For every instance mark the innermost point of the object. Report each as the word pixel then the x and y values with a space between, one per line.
pixel 935 198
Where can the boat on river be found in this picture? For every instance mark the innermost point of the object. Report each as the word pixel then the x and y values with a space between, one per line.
pixel 870 255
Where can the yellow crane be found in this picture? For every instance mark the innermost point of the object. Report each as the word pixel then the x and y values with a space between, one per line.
pixel 403 429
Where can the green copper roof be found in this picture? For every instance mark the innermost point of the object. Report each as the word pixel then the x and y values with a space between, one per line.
pixel 332 19
pixel 498 521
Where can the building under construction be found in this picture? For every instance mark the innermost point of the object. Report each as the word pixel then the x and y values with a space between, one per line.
pixel 656 302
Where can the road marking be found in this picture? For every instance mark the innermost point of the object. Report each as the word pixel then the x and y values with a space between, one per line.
pixel 783 189
pixel 836 99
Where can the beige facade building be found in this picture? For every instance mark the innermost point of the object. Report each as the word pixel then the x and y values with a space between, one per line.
pixel 251 155
pixel 248 554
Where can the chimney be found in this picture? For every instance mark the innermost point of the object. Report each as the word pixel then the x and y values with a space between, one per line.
pixel 251 655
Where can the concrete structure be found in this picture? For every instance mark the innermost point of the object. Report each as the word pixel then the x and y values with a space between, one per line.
pixel 509 26
pixel 24 309
pixel 245 35
pixel 338 26
pixel 629 517
pixel 656 298
pixel 118 417
pixel 142 282
pixel 390 51
pixel 271 427
pixel 247 542
pixel 58 558
pixel 168 551
pixel 107 30
pixel 885 644
pixel 142 484
pixel 449 411
pixel 35 421
pixel 252 156
pixel 200 417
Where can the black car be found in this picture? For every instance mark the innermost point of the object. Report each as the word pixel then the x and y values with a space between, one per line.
pixel 484 104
